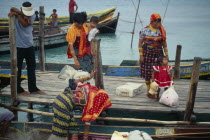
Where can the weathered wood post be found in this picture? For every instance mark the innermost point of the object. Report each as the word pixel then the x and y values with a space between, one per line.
pixel 86 131
pixel 41 38
pixel 13 56
pixel 96 51
pixel 177 62
pixel 193 88
pixel 13 52
pixel 30 115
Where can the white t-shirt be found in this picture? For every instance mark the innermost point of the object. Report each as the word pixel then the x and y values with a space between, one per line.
pixel 92 33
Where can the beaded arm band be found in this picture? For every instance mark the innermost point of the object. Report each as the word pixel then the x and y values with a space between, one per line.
pixel 141 51
pixel 84 79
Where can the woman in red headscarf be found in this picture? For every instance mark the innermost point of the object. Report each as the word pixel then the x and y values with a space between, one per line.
pixel 152 44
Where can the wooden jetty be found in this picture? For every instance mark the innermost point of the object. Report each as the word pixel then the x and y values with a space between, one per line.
pixel 52 85
pixel 193 106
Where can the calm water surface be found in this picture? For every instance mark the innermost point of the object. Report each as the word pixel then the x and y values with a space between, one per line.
pixel 187 23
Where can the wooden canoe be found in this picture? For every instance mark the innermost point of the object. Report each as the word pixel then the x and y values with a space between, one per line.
pixel 130 68
pixel 42 131
pixel 56 37
pixel 62 20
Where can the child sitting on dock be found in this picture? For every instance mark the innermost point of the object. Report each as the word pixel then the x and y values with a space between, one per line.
pixel 54 16
pixel 162 77
pixel 92 27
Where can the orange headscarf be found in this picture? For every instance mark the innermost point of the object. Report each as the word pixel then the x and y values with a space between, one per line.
pixel 154 17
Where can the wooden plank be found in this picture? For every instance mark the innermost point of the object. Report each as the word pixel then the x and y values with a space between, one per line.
pixel 53 86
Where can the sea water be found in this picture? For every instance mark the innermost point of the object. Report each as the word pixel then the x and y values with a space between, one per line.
pixel 187 23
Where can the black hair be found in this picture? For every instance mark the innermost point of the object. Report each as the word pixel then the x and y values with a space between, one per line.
pixel 26 4
pixel 160 59
pixel 72 84
pixel 54 10
pixel 36 12
pixel 94 19
pixel 157 20
pixel 80 17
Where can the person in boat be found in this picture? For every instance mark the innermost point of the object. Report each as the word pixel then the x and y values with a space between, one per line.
pixel 72 4
pixel 162 76
pixel 152 44
pixel 54 16
pixel 6 117
pixel 37 16
pixel 78 45
pixel 24 43
pixel 77 95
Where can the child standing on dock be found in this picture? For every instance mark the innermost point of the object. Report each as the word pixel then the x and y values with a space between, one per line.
pixel 54 16
pixel 162 75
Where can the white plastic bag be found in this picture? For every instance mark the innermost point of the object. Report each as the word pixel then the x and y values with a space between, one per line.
pixel 170 97
pixel 69 72
pixel 138 135
pixel 119 135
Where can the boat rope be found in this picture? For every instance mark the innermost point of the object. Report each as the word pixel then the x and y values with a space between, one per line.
pixel 137 13
pixel 165 11
pixel 128 21
pixel 137 10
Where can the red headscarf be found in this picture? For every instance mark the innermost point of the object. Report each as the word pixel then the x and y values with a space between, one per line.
pixel 154 17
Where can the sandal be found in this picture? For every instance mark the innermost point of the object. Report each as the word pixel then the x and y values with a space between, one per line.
pixel 38 92
pixel 24 93
pixel 151 96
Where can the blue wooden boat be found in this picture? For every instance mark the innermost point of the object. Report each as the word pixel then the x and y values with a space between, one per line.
pixel 131 69
pixel 127 68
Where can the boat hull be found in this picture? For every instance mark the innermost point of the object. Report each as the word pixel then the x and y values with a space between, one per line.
pixel 62 20
pixel 57 37
pixel 42 131
pixel 185 70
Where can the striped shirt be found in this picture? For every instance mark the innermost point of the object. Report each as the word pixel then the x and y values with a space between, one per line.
pixel 63 120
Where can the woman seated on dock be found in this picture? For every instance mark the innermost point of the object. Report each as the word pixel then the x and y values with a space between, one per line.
pixel 77 96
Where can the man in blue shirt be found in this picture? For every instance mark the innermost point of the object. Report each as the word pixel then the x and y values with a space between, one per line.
pixel 24 43
pixel 6 117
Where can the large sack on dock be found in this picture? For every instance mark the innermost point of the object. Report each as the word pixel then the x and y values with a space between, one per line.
pixel 119 135
pixel 129 89
pixel 69 72
pixel 170 97
pixel 138 135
